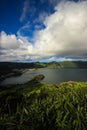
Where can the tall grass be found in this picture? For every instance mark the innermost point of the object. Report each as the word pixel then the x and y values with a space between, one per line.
pixel 61 107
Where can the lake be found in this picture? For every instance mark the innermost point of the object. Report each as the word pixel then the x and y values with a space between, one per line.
pixel 53 76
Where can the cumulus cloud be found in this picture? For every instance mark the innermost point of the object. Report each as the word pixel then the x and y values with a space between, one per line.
pixel 65 35
pixel 13 48
pixel 66 31
pixel 8 41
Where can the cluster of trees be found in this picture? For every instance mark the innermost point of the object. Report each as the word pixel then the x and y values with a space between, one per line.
pixel 50 107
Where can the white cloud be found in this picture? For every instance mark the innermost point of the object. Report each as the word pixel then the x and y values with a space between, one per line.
pixel 13 48
pixel 27 10
pixel 8 41
pixel 24 10
pixel 23 28
pixel 66 31
pixel 65 35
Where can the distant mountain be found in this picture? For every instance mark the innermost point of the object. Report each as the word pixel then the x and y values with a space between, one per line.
pixel 67 64
pixel 8 69
pixel 75 64
pixel 8 66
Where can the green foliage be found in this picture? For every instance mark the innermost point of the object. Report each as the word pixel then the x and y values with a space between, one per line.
pixel 46 107
pixel 38 78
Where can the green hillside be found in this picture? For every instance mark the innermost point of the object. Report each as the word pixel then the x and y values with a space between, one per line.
pixel 69 64
pixel 41 106
pixel 53 65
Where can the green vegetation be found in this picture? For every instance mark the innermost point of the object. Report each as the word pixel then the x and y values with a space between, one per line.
pixel 69 64
pixel 8 69
pixel 8 66
pixel 53 65
pixel 38 78
pixel 36 106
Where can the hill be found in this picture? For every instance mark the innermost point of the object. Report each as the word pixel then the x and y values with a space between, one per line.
pixel 8 69
pixel 4 66
pixel 36 105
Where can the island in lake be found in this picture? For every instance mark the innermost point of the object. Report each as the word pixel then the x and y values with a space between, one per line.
pixel 8 69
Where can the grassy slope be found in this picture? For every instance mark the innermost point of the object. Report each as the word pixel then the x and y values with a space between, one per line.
pixel 44 106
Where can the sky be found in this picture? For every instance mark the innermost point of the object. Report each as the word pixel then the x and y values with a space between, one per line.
pixel 43 30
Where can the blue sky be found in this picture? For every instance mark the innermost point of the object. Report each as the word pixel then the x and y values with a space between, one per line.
pixel 9 15
pixel 12 16
pixel 36 30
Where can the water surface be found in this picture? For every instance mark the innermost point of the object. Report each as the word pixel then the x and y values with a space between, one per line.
pixel 53 76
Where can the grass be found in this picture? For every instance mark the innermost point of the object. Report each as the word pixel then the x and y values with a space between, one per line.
pixel 37 105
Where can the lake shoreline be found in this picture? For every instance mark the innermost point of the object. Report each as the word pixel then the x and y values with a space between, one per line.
pixel 52 76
